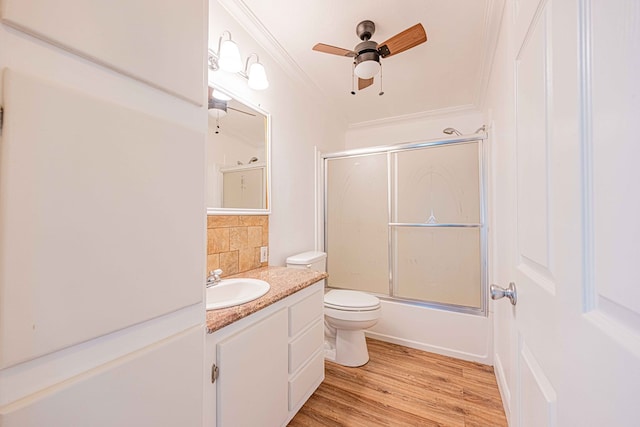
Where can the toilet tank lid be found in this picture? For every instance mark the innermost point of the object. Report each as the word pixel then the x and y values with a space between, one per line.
pixel 306 258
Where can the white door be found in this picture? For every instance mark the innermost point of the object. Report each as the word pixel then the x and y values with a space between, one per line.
pixel 102 219
pixel 568 354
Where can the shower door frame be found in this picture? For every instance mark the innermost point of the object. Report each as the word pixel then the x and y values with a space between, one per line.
pixel 480 139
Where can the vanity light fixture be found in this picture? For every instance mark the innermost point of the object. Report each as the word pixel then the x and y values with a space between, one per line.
pixel 256 75
pixel 228 58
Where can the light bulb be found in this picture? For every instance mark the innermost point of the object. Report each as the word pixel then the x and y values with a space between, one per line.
pixel 229 59
pixel 217 113
pixel 258 77
pixel 367 69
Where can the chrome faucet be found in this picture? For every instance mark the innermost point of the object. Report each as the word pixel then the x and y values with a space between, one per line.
pixel 214 277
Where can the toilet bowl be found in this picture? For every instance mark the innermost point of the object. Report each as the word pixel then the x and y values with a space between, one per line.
pixel 346 315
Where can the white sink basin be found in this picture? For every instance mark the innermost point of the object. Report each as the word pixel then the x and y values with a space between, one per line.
pixel 230 292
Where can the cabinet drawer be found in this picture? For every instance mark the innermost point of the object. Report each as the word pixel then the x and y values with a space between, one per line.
pixel 306 381
pixel 305 345
pixel 304 312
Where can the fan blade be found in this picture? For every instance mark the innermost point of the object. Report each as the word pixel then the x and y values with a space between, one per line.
pixel 407 39
pixel 240 111
pixel 325 48
pixel 364 83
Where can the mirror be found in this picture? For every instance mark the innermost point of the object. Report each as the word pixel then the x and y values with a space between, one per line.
pixel 238 152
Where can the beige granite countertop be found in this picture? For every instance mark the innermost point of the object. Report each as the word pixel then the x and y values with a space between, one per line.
pixel 284 282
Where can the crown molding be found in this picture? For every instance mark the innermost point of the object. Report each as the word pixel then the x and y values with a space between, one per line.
pixel 252 25
pixel 430 114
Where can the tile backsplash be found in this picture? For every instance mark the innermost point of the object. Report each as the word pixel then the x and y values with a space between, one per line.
pixel 234 241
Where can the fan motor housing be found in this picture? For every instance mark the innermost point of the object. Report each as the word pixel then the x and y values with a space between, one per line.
pixel 217 104
pixel 367 51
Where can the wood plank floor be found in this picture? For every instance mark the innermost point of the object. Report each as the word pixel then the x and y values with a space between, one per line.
pixel 402 386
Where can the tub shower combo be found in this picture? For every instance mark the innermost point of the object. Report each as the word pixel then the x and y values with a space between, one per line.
pixel 407 222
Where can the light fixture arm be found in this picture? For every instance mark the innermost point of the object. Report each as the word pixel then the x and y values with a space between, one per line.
pixel 245 73
pixel 215 56
pixel 220 39
pixel 213 61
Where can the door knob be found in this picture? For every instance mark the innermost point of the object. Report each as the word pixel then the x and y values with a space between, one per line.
pixel 497 292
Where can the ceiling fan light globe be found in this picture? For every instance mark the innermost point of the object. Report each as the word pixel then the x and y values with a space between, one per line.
pixel 229 59
pixel 258 77
pixel 217 113
pixel 367 69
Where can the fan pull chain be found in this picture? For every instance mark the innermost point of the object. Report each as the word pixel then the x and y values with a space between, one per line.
pixel 218 124
pixel 353 67
pixel 381 91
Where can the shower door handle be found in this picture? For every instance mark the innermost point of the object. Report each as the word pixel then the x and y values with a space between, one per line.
pixel 497 292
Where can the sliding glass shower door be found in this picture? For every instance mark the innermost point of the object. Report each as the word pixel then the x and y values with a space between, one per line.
pixel 357 223
pixel 407 223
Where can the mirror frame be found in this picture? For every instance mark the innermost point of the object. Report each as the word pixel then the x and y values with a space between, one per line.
pixel 236 211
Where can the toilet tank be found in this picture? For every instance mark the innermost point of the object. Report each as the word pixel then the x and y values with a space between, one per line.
pixel 313 260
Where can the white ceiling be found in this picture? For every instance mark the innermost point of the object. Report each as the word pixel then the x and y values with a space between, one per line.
pixel 448 72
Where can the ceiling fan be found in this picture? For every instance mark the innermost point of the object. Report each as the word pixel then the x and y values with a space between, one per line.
pixel 218 106
pixel 367 54
pixel 219 103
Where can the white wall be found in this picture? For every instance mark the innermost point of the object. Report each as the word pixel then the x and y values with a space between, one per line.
pixel 299 124
pixel 429 126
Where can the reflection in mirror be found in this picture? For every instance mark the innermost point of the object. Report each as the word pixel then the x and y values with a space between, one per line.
pixel 237 156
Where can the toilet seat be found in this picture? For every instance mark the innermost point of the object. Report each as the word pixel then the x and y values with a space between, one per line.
pixel 347 300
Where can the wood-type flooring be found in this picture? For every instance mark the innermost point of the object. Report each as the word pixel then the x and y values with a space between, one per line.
pixel 401 386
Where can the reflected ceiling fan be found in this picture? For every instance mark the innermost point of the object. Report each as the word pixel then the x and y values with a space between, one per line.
pixel 218 106
pixel 367 54
pixel 219 103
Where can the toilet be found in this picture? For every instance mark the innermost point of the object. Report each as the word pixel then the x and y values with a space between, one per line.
pixel 346 315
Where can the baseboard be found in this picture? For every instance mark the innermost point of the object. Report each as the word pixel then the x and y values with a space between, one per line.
pixel 501 379
pixel 480 358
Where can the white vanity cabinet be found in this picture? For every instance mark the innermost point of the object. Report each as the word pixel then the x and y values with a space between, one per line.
pixel 268 363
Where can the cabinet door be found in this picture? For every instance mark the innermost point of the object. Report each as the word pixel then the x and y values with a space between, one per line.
pixel 156 42
pixel 252 382
pixel 157 386
pixel 77 237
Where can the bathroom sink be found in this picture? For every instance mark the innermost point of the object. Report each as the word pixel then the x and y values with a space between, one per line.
pixel 230 292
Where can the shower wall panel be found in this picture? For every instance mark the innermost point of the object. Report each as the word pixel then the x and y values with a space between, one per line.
pixel 357 239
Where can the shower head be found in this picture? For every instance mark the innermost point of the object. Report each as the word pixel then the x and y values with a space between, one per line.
pixel 451 131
